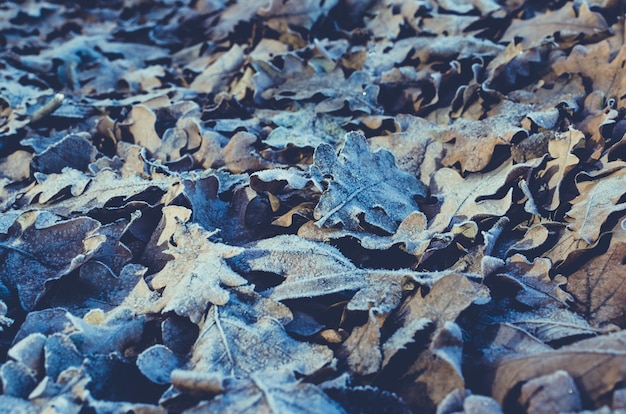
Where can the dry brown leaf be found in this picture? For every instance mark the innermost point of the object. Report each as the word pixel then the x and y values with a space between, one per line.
pixel 415 145
pixel 107 188
pixel 598 286
pixel 241 156
pixel 140 124
pixel 436 372
pixel 362 348
pixel 556 392
pixel 587 61
pixel 474 142
pixel 217 75
pixel 535 286
pixel 563 162
pixel 596 365
pixel 600 196
pixel 475 196
pixel 447 298
pixel 411 235
pixel 566 25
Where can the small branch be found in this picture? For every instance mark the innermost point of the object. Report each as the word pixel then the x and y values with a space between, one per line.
pixel 51 106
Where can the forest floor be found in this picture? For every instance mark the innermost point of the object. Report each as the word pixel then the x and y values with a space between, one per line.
pixel 312 206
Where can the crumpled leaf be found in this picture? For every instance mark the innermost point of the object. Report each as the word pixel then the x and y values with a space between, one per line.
pixel 536 288
pixel 563 162
pixel 34 255
pixel 411 235
pixel 295 13
pixel 475 141
pixel 194 277
pixel 462 400
pixel 572 23
pixel 436 372
pixel 598 199
pixel 475 196
pixel 416 145
pixel 106 189
pixel 585 60
pixel 362 188
pixel 218 74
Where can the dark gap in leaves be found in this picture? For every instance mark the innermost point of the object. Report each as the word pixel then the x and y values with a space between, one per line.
pixel 393 258
pixel 263 280
pixel 389 377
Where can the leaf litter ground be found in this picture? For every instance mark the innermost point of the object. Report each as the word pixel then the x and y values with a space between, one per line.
pixel 312 206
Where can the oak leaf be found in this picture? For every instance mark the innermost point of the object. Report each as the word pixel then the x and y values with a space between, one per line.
pixel 598 286
pixel 194 277
pixel 565 25
pixel 596 365
pixel 270 391
pixel 362 188
pixel 585 60
pixel 33 256
pixel 600 196
pixel 536 287
pixel 485 194
pixel 313 269
pixel 248 335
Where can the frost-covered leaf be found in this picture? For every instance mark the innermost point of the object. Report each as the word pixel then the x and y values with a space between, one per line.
pixel 108 188
pixel 196 275
pixel 535 286
pixel 247 335
pixel 313 269
pixel 270 391
pixel 362 188
pixel 34 255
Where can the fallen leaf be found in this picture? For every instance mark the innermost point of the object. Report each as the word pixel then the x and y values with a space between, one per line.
pixel 33 256
pixel 595 365
pixel 598 200
pixel 313 269
pixel 361 183
pixel 362 348
pixel 239 343
pixel 555 392
pixel 597 286
pixel 535 286
pixel 564 25
pixel 585 60
pixel 194 277
pixel 270 391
